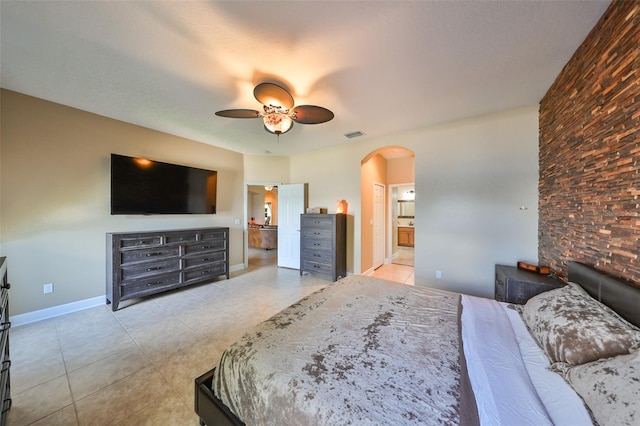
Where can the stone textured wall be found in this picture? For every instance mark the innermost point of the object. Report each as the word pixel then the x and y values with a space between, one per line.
pixel 589 189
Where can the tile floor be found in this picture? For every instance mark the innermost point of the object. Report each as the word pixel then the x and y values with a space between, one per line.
pixel 403 256
pixel 136 366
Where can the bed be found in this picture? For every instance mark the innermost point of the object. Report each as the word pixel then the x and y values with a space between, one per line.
pixel 369 351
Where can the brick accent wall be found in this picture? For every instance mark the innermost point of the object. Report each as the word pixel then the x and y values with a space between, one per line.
pixel 589 189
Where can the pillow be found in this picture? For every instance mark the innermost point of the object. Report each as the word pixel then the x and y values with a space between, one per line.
pixel 573 328
pixel 610 388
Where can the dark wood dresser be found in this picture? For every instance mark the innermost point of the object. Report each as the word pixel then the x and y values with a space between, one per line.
pixel 144 263
pixel 323 245
pixel 514 285
pixel 5 324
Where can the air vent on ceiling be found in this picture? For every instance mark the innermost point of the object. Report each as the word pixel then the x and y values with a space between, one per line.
pixel 354 134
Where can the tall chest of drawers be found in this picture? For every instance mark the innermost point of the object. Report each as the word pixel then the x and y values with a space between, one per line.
pixel 5 362
pixel 323 245
pixel 144 263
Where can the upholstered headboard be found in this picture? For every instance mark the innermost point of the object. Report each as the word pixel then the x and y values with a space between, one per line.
pixel 621 296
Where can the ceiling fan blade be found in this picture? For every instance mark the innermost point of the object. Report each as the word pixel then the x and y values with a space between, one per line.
pixel 238 113
pixel 272 94
pixel 311 114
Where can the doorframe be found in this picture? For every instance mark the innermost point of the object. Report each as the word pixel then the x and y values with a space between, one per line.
pixel 245 226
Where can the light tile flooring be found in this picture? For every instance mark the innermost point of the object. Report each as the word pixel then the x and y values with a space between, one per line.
pixel 137 366
pixel 403 256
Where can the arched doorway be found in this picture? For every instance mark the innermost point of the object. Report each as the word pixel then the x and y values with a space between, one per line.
pixel 384 171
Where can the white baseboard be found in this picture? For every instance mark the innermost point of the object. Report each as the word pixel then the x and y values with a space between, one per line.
pixel 368 271
pixel 56 311
pixel 235 268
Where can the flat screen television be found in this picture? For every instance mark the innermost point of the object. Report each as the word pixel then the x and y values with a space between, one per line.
pixel 142 186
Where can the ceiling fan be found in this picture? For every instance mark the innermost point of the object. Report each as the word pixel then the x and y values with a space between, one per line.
pixel 278 112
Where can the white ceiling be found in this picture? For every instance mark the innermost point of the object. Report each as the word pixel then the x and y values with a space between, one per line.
pixel 382 67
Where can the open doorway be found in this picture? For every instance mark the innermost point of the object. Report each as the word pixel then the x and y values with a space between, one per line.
pixel 262 226
pixel 392 167
pixel 402 213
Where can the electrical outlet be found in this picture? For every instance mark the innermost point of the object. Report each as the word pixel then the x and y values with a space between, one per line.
pixel 47 288
pixel 438 275
pixel 237 221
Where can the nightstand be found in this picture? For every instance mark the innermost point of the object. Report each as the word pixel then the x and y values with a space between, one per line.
pixel 514 285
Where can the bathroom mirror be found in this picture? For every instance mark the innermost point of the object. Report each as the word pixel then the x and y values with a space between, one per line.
pixel 406 209
pixel 267 213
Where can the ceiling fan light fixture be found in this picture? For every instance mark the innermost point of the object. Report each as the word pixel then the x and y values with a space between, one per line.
pixel 278 112
pixel 277 122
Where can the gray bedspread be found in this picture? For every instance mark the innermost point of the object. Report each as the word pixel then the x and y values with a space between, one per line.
pixel 359 351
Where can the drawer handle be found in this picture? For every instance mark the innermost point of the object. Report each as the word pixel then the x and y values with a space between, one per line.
pixel 206 272
pixel 152 254
pixel 5 365
pixel 205 247
pixel 155 283
pixel 316 255
pixel 155 268
pixel 6 405
pixel 316 266
pixel 317 244
pixel 205 259
pixel 7 286
pixel 5 326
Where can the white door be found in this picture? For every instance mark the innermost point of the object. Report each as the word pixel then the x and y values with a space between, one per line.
pixel 292 202
pixel 378 225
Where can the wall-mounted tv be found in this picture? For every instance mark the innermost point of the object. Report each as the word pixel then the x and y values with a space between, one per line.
pixel 142 186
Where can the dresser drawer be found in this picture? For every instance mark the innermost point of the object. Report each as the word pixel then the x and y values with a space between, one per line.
pixel 318 221
pixel 204 259
pixel 150 285
pixel 204 246
pixel 4 342
pixel 207 273
pixel 318 256
pixel 4 303
pixel 148 255
pixel 500 294
pixel 318 268
pixel 141 241
pixel 180 237
pixel 217 235
pixel 317 244
pixel 318 234
pixel 141 270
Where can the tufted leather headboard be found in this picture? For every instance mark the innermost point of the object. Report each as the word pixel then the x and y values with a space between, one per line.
pixel 621 296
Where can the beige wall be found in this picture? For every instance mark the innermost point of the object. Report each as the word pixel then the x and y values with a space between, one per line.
pixel 401 170
pixel 55 196
pixel 471 177
pixel 266 169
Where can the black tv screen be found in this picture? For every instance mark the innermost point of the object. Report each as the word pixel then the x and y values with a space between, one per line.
pixel 142 186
